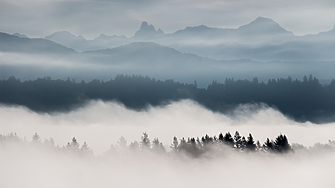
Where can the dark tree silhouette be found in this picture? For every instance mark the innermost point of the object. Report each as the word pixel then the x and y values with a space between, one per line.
pixel 228 139
pixel 237 140
pixel 281 144
pixel 250 145
pixel 305 100
pixel 268 145
pixel 243 143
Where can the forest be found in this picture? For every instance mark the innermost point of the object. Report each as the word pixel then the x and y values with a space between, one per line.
pixel 302 100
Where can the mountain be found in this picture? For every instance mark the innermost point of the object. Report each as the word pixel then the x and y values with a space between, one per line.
pixel 19 35
pixel 147 31
pixel 262 27
pixel 64 36
pixel 104 37
pixel 262 39
pixel 69 40
pixel 11 43
pixel 327 35
pixel 146 53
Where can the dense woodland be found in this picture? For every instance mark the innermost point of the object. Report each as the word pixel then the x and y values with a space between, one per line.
pixel 302 100
pixel 204 147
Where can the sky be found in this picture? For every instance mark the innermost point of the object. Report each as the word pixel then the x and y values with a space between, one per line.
pixel 90 18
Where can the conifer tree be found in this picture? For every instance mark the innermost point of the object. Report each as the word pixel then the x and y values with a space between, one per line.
pixel 237 140
pixel 145 141
pixel 250 145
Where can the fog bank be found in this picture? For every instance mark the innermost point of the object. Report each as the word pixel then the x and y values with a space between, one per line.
pixel 101 124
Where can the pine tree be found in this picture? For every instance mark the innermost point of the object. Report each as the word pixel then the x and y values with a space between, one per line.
pixel 85 150
pixel 237 140
pixel 250 144
pixel 157 146
pixel 174 145
pixel 268 145
pixel 281 144
pixel 228 139
pixel 145 141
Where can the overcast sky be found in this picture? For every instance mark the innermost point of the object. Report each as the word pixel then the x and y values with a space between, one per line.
pixel 90 18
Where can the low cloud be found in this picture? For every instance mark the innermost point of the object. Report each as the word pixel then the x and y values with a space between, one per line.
pixel 102 123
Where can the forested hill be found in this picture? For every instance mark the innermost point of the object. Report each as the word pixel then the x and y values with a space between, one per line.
pixel 305 100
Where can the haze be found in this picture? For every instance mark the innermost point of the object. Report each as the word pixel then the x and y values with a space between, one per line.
pixel 101 124
pixel 36 18
pixel 167 93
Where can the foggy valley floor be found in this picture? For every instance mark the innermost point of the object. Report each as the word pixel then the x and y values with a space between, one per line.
pixel 101 124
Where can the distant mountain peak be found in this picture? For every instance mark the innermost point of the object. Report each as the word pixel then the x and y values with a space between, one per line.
pixel 263 26
pixel 63 35
pixel 19 35
pixel 147 30
pixel 160 32
pixel 260 18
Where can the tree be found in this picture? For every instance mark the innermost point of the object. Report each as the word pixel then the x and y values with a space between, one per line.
pixel 281 144
pixel 250 144
pixel 134 146
pixel 122 142
pixel 243 143
pixel 145 141
pixel 268 145
pixel 158 146
pixel 36 138
pixel 122 146
pixel 85 150
pixel 174 145
pixel 237 140
pixel 228 139
pixel 73 147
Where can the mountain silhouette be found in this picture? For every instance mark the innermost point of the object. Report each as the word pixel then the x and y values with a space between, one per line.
pixel 262 39
pixel 67 39
pixel 19 35
pixel 63 35
pixel 11 43
pixel 147 31
pixel 262 27
pixel 146 53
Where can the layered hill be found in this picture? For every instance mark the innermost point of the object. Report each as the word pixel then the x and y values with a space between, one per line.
pixel 11 43
pixel 262 39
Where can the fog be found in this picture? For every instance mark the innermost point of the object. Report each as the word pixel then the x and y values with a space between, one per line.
pixel 100 124
pixel 104 67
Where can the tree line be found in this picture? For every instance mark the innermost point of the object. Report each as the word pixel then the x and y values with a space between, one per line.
pixel 303 100
pixel 204 147
pixel 191 147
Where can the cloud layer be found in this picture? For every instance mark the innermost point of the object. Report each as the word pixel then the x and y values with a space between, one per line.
pixel 102 124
